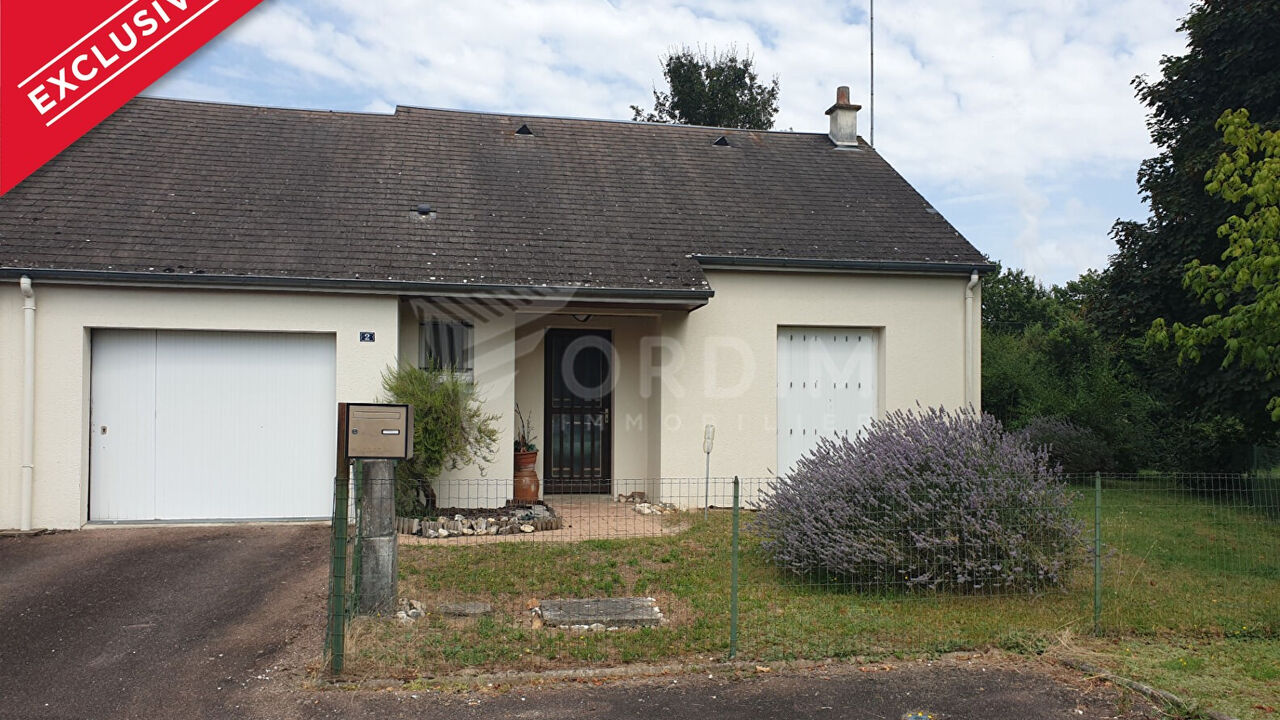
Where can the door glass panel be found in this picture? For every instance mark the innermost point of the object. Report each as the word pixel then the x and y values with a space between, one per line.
pixel 579 395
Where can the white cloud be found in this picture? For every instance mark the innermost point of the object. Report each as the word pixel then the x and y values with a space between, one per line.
pixel 976 97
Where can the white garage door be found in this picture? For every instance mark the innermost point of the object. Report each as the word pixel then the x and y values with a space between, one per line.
pixel 211 425
pixel 826 387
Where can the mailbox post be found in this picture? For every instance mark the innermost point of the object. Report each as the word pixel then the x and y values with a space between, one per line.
pixel 379 431
pixel 379 434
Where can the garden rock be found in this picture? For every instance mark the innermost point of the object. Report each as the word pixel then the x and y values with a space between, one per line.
pixel 409 610
pixel 645 508
pixel 518 519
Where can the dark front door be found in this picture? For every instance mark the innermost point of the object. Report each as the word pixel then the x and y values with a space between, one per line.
pixel 579 398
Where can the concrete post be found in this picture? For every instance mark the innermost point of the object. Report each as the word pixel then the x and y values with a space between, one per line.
pixel 378 539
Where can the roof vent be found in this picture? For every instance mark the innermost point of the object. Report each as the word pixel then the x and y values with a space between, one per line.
pixel 524 130
pixel 721 141
pixel 426 209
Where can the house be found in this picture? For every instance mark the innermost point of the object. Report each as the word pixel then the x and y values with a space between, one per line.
pixel 207 281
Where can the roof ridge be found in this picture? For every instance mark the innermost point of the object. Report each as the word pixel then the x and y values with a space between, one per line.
pixel 407 109
pixel 144 99
pixel 614 121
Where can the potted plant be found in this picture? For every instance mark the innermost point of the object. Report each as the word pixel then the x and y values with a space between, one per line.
pixel 526 459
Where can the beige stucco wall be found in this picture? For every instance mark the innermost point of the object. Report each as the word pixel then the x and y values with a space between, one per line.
pixel 66 314
pixel 635 392
pixel 486 484
pixel 721 361
pixel 676 371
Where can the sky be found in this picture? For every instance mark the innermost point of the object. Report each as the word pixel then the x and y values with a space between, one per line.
pixel 1016 119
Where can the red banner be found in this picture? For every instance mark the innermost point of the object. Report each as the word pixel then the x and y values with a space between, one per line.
pixel 65 66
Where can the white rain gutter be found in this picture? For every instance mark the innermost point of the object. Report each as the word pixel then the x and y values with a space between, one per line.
pixel 28 398
pixel 969 342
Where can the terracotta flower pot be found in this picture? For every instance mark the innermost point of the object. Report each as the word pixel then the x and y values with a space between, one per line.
pixel 526 478
pixel 526 460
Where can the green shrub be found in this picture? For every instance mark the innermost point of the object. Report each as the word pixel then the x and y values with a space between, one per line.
pixel 1075 449
pixel 450 430
pixel 1067 372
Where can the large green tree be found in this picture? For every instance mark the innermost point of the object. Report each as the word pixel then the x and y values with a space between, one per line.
pixel 1048 372
pixel 1245 289
pixel 717 89
pixel 1232 60
pixel 1012 300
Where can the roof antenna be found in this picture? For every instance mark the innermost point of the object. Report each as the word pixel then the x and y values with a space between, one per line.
pixel 871 24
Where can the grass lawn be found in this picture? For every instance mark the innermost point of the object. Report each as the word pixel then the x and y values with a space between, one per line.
pixel 1191 604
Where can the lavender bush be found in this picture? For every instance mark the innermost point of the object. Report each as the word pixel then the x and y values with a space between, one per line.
pixel 929 499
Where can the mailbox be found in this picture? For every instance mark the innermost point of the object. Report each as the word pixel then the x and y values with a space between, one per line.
pixel 379 431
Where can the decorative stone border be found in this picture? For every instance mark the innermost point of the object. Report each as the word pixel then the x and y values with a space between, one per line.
pixel 511 520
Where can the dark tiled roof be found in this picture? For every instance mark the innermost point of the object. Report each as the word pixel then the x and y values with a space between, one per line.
pixel 168 186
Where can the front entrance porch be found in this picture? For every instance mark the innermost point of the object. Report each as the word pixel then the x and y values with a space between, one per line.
pixel 577 411
pixel 592 381
pixel 585 377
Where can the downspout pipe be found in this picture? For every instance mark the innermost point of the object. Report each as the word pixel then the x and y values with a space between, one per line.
pixel 28 398
pixel 970 343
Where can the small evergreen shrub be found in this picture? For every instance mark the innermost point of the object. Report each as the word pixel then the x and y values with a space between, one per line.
pixel 932 500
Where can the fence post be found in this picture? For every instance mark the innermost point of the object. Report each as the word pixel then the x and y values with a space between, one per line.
pixel 733 581
pixel 338 575
pixel 376 540
pixel 1097 553
pixel 357 505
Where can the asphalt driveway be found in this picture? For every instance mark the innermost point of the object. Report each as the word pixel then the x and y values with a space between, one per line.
pixel 223 622
pixel 152 622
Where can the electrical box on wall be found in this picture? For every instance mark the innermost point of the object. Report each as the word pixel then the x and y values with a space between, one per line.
pixel 375 431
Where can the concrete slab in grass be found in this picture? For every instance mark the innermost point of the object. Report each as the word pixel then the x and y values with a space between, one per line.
pixel 465 609
pixel 610 612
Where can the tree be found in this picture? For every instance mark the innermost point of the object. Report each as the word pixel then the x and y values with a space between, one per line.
pixel 1246 288
pixel 1013 300
pixel 1082 295
pixel 714 89
pixel 1048 373
pixel 1232 61
pixel 1065 371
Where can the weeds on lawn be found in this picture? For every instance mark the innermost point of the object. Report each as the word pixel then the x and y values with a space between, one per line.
pixel 1190 601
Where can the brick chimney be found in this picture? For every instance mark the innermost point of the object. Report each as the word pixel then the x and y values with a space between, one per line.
pixel 844 119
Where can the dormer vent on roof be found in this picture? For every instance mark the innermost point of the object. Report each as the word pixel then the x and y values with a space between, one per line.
pixel 524 130
pixel 721 141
